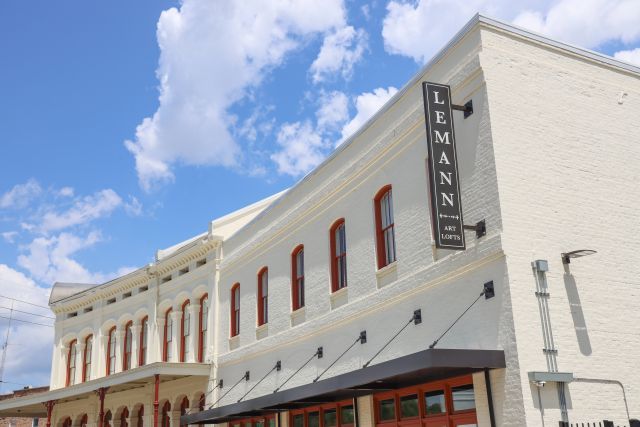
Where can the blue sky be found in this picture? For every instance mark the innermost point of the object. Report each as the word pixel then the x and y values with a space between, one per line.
pixel 127 126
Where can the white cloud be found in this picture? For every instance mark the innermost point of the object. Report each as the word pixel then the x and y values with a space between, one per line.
pixel 20 195
pixel 133 207
pixel 333 110
pixel 419 29
pixel 367 104
pixel 340 51
pixel 632 56
pixel 10 236
pixel 83 211
pixel 66 192
pixel 302 148
pixel 29 355
pixel 212 52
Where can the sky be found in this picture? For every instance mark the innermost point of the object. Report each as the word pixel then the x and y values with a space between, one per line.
pixel 127 126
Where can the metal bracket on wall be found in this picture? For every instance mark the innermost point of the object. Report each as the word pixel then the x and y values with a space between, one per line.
pixel 466 108
pixel 550 350
pixel 480 228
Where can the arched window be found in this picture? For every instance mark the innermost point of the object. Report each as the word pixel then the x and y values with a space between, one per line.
pixel 185 332
pixel 84 420
pixel 166 415
pixel 168 336
pixel 71 363
pixel 66 422
pixel 297 278
pixel 140 421
pixel 128 338
pixel 184 406
pixel 203 327
pixel 338 250
pixel 123 418
pixel 235 309
pixel 111 351
pixel 86 358
pixel 201 402
pixel 144 332
pixel 263 296
pixel 385 231
pixel 107 419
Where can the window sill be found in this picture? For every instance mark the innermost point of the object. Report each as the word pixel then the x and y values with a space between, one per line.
pixel 387 274
pixel 339 298
pixel 262 331
pixel 298 316
pixel 234 342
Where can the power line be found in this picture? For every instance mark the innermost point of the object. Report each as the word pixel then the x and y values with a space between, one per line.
pixel 28 312
pixel 26 302
pixel 26 321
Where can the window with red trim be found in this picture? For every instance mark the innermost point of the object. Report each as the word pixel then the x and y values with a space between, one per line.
pixel 184 406
pixel 140 421
pixel 449 402
pixel 67 422
pixel 111 351
pixel 142 345
pixel 123 418
pixel 168 336
pixel 330 415
pixel 128 338
pixel 84 420
pixel 297 278
pixel 261 421
pixel 263 296
pixel 385 228
pixel 107 419
pixel 86 358
pixel 71 363
pixel 338 251
pixel 203 327
pixel 185 332
pixel 235 309
pixel 166 415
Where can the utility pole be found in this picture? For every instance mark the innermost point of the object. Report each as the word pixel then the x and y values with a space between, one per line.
pixel 4 348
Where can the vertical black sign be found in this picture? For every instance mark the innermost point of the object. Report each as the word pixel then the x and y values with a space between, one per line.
pixel 446 210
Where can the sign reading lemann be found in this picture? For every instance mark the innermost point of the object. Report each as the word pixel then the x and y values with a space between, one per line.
pixel 446 210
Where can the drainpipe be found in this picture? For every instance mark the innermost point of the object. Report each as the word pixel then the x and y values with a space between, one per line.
pixel 156 401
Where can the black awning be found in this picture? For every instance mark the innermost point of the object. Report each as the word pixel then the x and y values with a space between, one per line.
pixel 405 371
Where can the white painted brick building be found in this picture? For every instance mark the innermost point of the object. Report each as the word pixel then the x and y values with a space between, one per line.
pixel 549 159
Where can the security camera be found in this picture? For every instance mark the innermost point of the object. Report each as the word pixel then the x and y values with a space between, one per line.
pixel 540 383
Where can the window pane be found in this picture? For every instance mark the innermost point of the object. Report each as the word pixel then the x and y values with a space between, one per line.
pixel 330 418
pixel 434 402
pixel 313 419
pixel 259 424
pixel 463 397
pixel 298 420
pixel 387 410
pixel 346 415
pixel 271 422
pixel 409 406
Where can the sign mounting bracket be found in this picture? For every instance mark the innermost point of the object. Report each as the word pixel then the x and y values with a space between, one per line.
pixel 466 108
pixel 480 228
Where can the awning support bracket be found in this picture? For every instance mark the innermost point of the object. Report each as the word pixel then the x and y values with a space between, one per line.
pixel 319 352
pixel 244 377
pixel 416 318
pixel 362 339
pixel 277 367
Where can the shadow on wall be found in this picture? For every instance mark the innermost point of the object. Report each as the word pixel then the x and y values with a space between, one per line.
pixel 579 322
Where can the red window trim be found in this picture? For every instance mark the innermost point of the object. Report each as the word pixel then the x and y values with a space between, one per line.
pixel 295 277
pixel 84 420
pixel 183 340
pixel 235 320
pixel 67 422
pixel 166 418
pixel 262 319
pixel 142 350
pixel 184 405
pixel 446 386
pixel 321 410
pixel 126 356
pixel 72 344
pixel 111 331
pixel 123 417
pixel 252 420
pixel 332 256
pixel 165 344
pixel 140 422
pixel 380 244
pixel 200 328
pixel 84 356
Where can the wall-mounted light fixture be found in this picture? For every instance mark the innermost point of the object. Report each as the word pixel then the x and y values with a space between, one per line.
pixel 566 256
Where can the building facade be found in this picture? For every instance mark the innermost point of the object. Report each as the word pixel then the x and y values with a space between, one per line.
pixel 329 305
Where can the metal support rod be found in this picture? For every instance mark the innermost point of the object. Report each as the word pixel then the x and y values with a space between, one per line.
pixel 480 228
pixel 319 352
pixel 456 321
pixel 487 383
pixel 416 318
pixel 244 377
pixel 362 338
pixel 467 108
pixel 277 367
